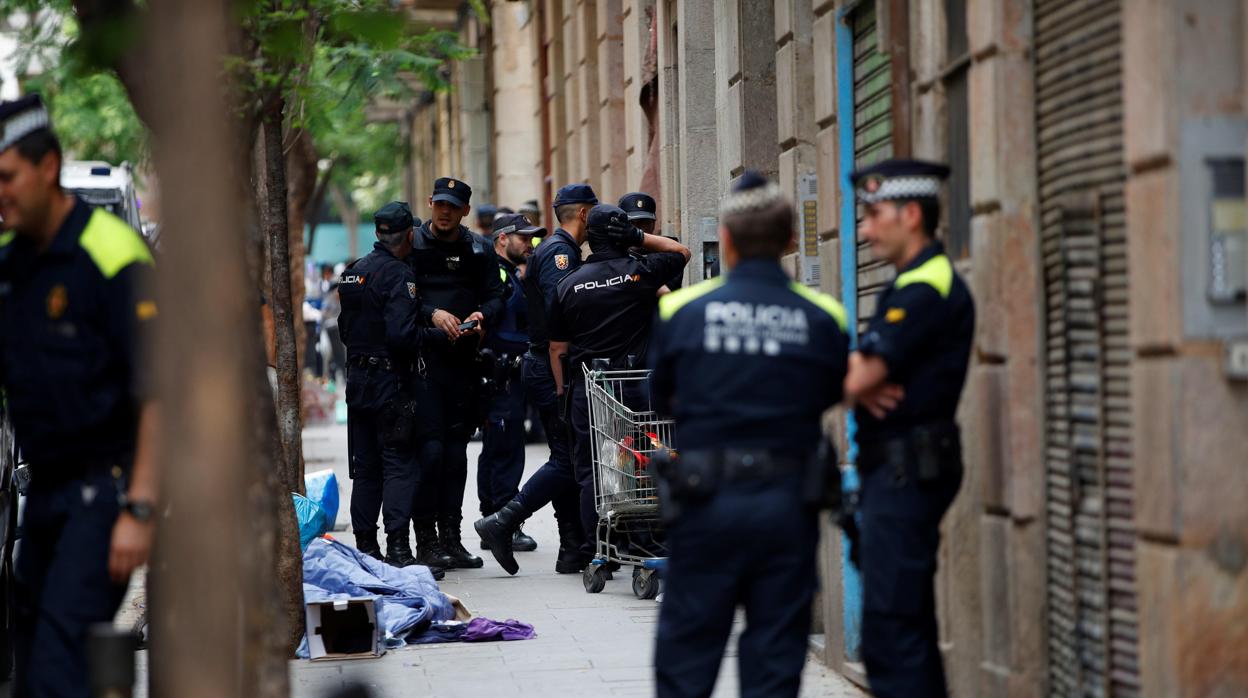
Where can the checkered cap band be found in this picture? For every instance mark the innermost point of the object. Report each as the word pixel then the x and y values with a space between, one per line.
pixel 902 188
pixel 23 124
pixel 751 199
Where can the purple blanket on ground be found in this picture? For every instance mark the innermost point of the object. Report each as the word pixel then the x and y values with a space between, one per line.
pixel 484 629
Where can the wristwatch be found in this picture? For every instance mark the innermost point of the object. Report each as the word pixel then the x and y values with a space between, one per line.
pixel 142 510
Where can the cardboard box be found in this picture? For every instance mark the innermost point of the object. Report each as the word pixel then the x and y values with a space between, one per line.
pixel 343 629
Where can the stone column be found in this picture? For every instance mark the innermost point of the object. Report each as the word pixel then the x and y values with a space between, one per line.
pixel 636 42
pixel 612 156
pixel 670 217
pixel 517 139
pixel 745 89
pixel 474 120
pixel 697 132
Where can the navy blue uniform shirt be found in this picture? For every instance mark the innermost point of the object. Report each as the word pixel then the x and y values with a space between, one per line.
pixel 605 309
pixel 555 258
pixel 459 276
pixel 71 320
pixel 923 329
pixel 748 360
pixel 380 318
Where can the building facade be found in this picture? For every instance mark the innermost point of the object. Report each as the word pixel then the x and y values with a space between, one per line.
pixel 1099 545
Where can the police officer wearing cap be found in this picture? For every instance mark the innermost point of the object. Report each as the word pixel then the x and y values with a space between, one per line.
pixel 906 378
pixel 380 325
pixel 75 304
pixel 605 311
pixel 747 363
pixel 485 219
pixel 554 482
pixel 462 295
pixel 501 464
pixel 642 212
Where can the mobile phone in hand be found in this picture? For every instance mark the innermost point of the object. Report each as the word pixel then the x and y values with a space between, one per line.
pixel 470 325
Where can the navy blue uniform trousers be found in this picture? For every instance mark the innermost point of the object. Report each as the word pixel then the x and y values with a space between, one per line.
pixel 751 544
pixel 63 587
pixel 384 475
pixel 554 482
pixel 900 535
pixel 446 406
pixel 501 464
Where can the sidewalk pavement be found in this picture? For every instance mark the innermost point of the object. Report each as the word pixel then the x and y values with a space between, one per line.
pixel 588 644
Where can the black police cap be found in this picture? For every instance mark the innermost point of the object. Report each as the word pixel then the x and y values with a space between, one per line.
pixel 20 118
pixel 486 210
pixel 639 206
pixel 899 180
pixel 601 215
pixel 575 194
pixel 515 223
pixel 453 191
pixel 394 217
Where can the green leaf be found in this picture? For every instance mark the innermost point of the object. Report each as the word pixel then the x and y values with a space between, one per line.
pixel 380 29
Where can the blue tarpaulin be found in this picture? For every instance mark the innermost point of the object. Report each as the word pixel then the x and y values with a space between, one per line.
pixel 312 520
pixel 407 599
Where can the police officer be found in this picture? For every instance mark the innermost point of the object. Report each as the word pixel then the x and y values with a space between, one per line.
pixel 748 363
pixel 906 378
pixel 642 212
pixel 501 464
pixel 530 210
pixel 554 482
pixel 462 295
pixel 380 324
pixel 75 302
pixel 485 219
pixel 605 310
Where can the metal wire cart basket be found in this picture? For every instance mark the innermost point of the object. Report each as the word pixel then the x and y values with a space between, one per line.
pixel 625 434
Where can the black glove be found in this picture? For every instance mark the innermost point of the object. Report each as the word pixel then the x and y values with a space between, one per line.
pixel 622 233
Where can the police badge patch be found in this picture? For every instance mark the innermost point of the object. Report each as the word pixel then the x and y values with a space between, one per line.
pixel 561 261
pixel 411 289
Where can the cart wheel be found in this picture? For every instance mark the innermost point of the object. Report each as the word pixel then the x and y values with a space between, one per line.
pixel 645 584
pixel 594 578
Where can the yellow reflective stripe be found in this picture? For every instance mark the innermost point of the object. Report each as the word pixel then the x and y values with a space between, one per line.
pixel 6 238
pixel 537 240
pixel 502 275
pixel 936 272
pixel 829 304
pixel 674 301
pixel 112 244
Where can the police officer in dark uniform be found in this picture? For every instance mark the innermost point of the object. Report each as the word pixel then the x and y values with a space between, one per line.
pixel 461 295
pixel 554 482
pixel 905 379
pixel 747 363
pixel 75 302
pixel 642 210
pixel 485 219
pixel 380 324
pixel 501 464
pixel 605 310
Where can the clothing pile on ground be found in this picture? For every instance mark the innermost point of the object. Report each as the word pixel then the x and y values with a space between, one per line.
pixel 410 607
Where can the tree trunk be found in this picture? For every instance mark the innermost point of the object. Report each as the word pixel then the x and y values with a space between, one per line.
pixel 350 219
pixel 273 221
pixel 212 582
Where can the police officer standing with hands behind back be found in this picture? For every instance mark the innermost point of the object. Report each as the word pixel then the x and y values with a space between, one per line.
pixel 605 310
pixel 380 325
pixel 461 295
pixel 747 364
pixel 75 300
pixel 905 379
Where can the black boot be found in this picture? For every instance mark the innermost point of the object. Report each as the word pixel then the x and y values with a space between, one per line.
pixel 367 544
pixel 522 542
pixel 448 537
pixel 398 549
pixel 570 560
pixel 428 552
pixel 498 529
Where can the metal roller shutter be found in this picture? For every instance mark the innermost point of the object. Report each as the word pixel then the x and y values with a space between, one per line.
pixel 1093 648
pixel 873 138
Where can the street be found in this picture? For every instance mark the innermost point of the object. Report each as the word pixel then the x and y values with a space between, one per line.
pixel 599 644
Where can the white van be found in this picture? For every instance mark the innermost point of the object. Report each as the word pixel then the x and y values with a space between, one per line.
pixel 104 186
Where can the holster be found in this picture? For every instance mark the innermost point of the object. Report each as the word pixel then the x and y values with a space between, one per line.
pixel 925 454
pixel 398 422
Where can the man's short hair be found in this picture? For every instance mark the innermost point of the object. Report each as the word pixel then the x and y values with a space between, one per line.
pixel 567 212
pixel 35 145
pixel 761 232
pixel 929 210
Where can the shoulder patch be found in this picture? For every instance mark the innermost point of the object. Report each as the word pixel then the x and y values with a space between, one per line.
pixel 411 289
pixel 936 272
pixel 674 301
pixel 561 261
pixel 112 244
pixel 829 304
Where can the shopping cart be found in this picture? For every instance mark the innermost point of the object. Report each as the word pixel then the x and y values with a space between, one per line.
pixel 625 434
